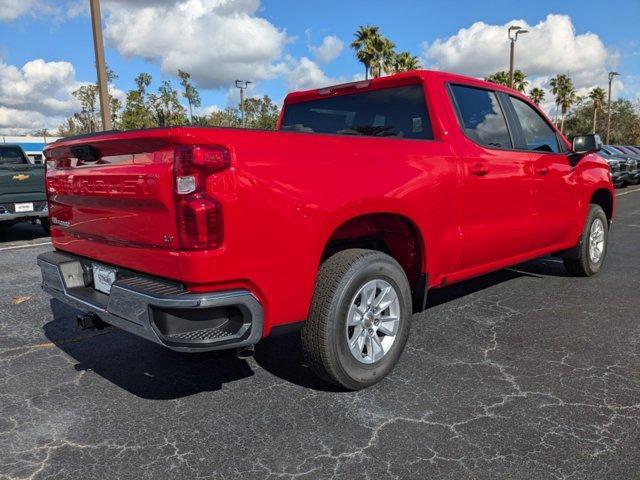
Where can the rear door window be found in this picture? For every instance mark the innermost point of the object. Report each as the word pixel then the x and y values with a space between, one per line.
pixel 399 112
pixel 538 135
pixel 481 116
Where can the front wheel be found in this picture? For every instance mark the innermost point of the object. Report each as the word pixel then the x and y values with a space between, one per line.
pixel 593 245
pixel 359 319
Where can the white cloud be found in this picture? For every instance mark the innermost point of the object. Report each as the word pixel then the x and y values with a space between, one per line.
pixel 217 41
pixel 552 46
pixel 23 122
pixel 55 11
pixel 328 50
pixel 12 9
pixel 45 86
pixel 305 74
pixel 37 95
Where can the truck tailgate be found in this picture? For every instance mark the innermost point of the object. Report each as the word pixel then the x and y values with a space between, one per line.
pixel 16 179
pixel 113 193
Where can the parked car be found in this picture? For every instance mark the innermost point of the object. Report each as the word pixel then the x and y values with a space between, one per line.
pixel 617 165
pixel 630 162
pixel 22 195
pixel 634 150
pixel 369 194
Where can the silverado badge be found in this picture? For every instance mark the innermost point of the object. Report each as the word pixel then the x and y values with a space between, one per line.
pixel 20 177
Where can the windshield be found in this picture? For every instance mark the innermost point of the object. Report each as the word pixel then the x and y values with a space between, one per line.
pixel 11 156
pixel 399 112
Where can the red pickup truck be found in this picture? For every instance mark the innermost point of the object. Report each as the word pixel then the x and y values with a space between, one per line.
pixel 368 195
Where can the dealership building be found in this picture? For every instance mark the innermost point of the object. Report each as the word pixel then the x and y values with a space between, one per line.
pixel 32 146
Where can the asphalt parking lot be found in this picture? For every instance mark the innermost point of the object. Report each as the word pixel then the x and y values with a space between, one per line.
pixel 525 374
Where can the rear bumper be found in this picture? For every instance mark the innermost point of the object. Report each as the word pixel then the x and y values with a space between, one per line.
pixel 155 309
pixel 7 212
pixel 7 217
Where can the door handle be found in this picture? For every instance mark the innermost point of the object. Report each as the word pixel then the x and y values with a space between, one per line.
pixel 479 169
pixel 542 170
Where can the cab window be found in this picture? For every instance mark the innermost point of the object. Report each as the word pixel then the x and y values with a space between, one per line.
pixel 538 135
pixel 481 116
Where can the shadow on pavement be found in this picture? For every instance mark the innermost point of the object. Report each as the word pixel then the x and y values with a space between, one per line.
pixel 542 267
pixel 153 372
pixel 282 356
pixel 21 231
pixel 139 366
pixel 547 267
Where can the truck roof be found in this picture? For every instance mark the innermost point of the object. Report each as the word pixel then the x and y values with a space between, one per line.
pixel 398 79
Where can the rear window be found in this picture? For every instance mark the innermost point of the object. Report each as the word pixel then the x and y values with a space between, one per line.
pixel 392 112
pixel 11 155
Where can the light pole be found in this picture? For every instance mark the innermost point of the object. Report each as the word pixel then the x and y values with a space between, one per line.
pixel 242 85
pixel 98 45
pixel 514 31
pixel 611 75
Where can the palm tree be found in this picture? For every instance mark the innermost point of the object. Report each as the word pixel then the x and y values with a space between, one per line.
pixel 383 53
pixel 597 95
pixel 402 62
pixel 565 94
pixel 502 78
pixel 519 81
pixel 363 45
pixel 536 95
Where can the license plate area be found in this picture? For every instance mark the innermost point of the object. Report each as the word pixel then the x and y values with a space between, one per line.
pixel 23 207
pixel 103 277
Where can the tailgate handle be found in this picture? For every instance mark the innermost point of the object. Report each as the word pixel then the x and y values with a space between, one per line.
pixel 542 170
pixel 86 153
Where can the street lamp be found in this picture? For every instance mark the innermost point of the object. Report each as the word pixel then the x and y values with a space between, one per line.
pixel 514 31
pixel 242 85
pixel 611 75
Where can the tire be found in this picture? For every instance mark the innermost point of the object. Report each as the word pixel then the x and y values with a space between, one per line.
pixel 586 265
pixel 344 281
pixel 45 223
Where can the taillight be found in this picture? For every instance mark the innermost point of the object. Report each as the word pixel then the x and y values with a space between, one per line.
pixel 199 215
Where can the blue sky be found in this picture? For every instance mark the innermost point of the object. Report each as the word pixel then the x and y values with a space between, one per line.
pixel 275 43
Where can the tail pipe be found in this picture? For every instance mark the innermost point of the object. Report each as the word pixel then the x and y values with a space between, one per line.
pixel 246 352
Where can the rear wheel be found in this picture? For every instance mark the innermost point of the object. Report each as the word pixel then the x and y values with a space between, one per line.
pixel 593 245
pixel 359 320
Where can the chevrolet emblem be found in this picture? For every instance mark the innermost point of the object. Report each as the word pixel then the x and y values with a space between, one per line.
pixel 20 177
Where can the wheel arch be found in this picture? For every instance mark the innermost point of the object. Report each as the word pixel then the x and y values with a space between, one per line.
pixel 393 233
pixel 604 198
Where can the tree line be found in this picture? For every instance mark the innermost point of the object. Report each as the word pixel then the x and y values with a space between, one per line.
pixel 144 108
pixel 574 114
pixel 163 107
pixel 581 114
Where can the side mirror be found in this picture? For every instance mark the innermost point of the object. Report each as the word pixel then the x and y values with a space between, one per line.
pixel 583 144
